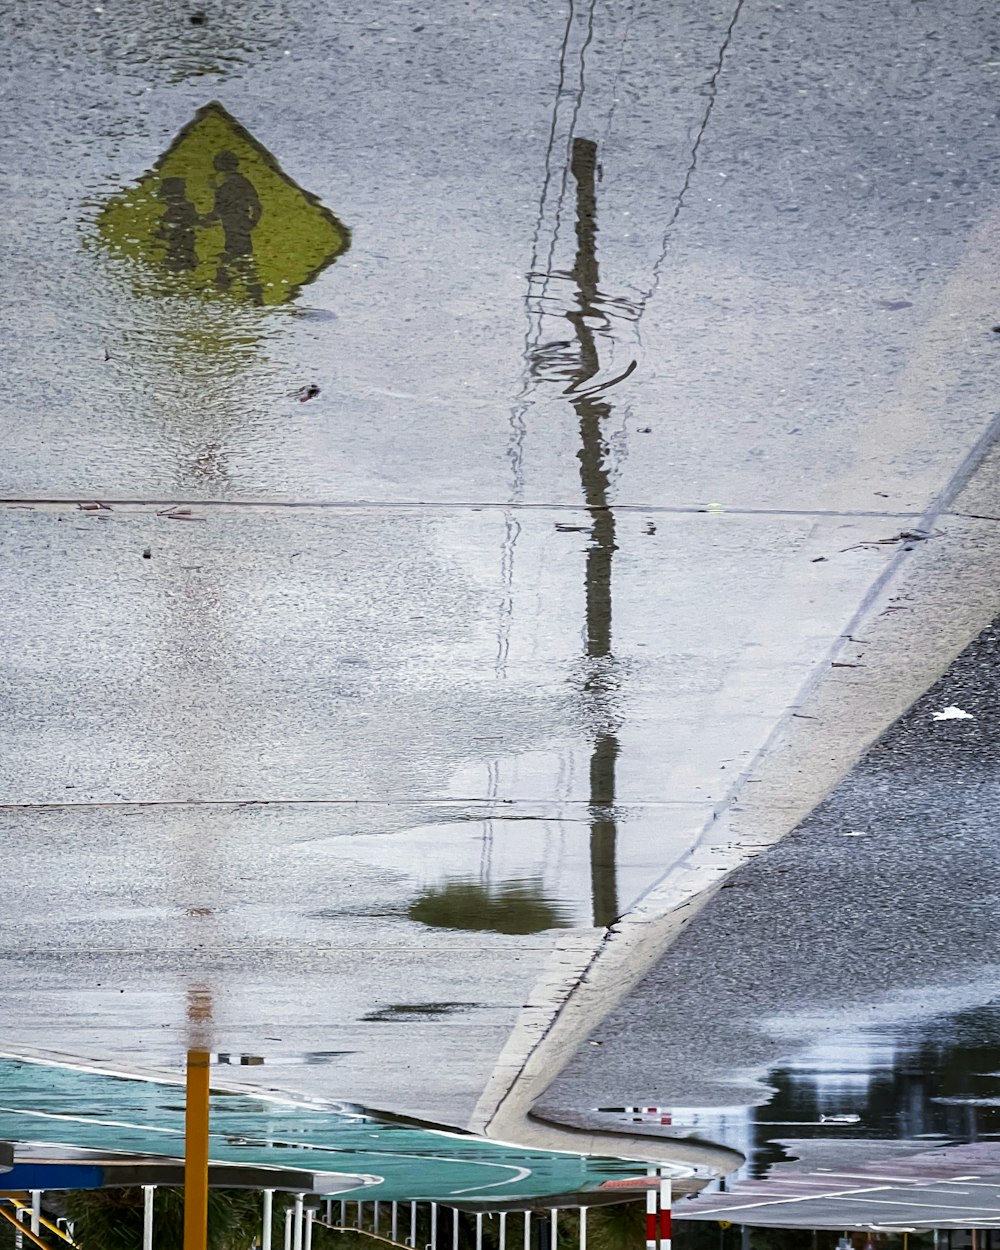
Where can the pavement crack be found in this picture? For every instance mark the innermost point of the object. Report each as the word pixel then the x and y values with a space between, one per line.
pixel 479 803
pixel 280 506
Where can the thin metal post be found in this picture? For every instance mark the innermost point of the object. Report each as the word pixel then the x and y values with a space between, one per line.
pixel 434 1224
pixel 454 1228
pixel 395 1221
pixel 553 1239
pixel 361 1216
pixel 343 1213
pixel 196 1112
pixel 479 1230
pixel 307 1240
pixel 527 1230
pixel 289 1213
pixel 267 1220
pixel 297 1222
pixel 666 1202
pixel 329 1210
pixel 147 1216
pixel 652 1197
pixel 413 1224
pixel 36 1211
pixel 377 1205
pixel 13 1218
pixel 583 1228
pixel 503 1230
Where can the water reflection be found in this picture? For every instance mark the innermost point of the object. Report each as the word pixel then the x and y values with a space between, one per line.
pixel 512 907
pixel 237 209
pixel 54 1106
pixel 938 1081
pixel 217 214
pixel 410 1013
pixel 942 1080
pixel 577 361
pixel 563 297
pixel 176 228
pixel 208 243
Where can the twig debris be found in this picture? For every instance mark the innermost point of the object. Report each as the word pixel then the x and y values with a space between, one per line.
pixel 177 513
pixel 904 536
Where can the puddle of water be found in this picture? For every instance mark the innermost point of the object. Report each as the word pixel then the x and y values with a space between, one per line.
pixel 937 1081
pixel 513 907
pixel 309 1058
pixel 408 1013
pixel 367 910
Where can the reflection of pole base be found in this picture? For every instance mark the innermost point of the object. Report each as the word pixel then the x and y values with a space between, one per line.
pixel 6 1156
pixel 196 1126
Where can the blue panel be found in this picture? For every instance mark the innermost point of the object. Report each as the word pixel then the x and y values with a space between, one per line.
pixel 52 1176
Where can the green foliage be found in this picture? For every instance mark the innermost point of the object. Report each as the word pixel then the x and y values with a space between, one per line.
pixel 111 1219
pixel 618 1227
pixel 6 1235
pixel 621 1226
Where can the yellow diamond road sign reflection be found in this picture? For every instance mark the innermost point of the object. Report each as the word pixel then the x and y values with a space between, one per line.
pixel 217 213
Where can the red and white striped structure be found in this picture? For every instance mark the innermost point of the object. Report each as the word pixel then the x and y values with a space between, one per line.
pixel 642 1115
pixel 658 1201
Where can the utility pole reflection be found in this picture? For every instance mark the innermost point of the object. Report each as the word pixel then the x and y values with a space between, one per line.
pixel 196 1114
pixel 591 411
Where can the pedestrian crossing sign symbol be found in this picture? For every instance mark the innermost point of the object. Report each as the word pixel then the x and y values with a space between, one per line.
pixel 217 214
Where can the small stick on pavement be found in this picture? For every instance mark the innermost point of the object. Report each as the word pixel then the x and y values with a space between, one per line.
pixel 904 536
pixel 177 513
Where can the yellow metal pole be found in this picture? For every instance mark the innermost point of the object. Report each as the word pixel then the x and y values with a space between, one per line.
pixel 53 1228
pixel 27 1231
pixel 196 1152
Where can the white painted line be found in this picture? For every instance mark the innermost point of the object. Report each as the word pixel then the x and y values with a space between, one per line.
pixel 848 1195
pixel 86 1119
pixel 787 1201
pixel 868 1176
pixel 521 1174
pixel 159 1076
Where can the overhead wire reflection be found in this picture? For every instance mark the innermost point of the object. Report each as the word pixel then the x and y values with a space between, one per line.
pixel 569 308
pixel 711 94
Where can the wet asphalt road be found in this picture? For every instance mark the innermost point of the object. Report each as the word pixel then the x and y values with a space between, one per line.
pixel 944 1188
pixel 850 971
pixel 454 661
